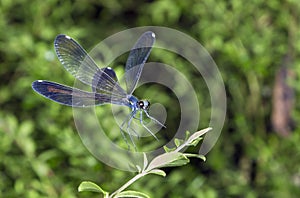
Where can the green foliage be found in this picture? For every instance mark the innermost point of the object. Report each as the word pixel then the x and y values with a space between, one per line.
pixel 168 159
pixel 42 155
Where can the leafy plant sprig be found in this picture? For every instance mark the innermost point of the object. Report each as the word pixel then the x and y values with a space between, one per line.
pixel 172 157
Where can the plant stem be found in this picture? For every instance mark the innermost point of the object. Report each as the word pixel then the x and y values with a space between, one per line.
pixel 138 176
pixel 180 147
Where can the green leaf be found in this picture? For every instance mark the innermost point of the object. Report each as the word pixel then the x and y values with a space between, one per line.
pixel 177 142
pixel 145 161
pixel 132 194
pixel 138 168
pixel 187 135
pixel 167 160
pixel 195 142
pixel 178 162
pixel 90 186
pixel 194 138
pixel 157 172
pixel 195 155
pixel 168 150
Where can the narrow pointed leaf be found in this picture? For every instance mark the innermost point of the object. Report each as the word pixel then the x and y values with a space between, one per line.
pixel 131 194
pixel 167 160
pixel 187 135
pixel 196 135
pixel 195 155
pixel 194 142
pixel 145 161
pixel 177 142
pixel 138 168
pixel 90 186
pixel 158 172
pixel 168 150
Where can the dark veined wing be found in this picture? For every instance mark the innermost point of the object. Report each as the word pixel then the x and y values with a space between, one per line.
pixel 99 85
pixel 137 57
pixel 76 60
pixel 74 97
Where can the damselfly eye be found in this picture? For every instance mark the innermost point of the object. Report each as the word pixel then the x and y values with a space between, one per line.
pixel 144 104
pixel 141 104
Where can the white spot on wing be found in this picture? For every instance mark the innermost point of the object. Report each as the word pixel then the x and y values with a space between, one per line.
pixel 67 37
pixel 153 35
pixel 40 81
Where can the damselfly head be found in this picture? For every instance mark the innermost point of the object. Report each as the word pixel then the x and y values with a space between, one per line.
pixel 144 104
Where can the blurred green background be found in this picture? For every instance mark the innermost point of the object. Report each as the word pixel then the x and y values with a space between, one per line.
pixel 41 154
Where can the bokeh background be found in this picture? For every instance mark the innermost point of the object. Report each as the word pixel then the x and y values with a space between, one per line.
pixel 256 46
